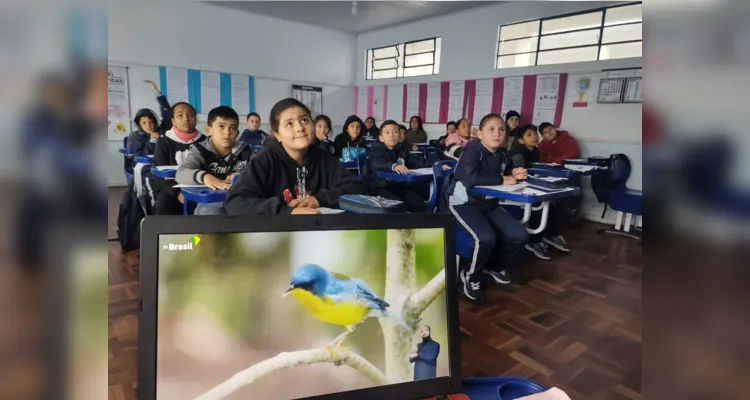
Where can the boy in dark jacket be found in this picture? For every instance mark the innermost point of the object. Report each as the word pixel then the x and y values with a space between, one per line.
pixel 253 135
pixel 390 156
pixel 290 175
pixel 524 152
pixel 215 161
pixel 497 235
pixel 143 141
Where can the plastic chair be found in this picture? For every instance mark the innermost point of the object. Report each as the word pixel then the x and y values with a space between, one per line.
pixel 127 164
pixel 625 201
pixel 439 174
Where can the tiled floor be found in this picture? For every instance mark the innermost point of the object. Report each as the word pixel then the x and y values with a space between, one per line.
pixel 575 322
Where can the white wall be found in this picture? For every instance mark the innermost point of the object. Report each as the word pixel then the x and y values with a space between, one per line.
pixel 469 46
pixel 144 35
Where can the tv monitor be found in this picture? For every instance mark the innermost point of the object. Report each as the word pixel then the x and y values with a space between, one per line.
pixel 289 307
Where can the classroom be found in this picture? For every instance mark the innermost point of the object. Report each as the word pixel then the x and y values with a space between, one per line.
pixel 498 142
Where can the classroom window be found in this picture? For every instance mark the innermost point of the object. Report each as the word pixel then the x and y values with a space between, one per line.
pixel 599 34
pixel 421 57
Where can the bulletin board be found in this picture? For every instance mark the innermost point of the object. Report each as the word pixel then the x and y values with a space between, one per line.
pixel 311 96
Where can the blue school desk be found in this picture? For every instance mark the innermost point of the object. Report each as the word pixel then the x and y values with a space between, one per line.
pixel 411 178
pixel 201 195
pixel 557 173
pixel 164 173
pixel 126 151
pixel 144 159
pixel 349 164
pixel 526 200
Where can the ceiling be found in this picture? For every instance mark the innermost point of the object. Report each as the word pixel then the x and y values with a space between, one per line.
pixel 337 15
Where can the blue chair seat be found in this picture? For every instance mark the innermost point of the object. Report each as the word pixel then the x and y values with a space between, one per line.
pixel 627 200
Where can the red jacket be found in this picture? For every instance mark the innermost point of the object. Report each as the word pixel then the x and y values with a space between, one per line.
pixel 564 147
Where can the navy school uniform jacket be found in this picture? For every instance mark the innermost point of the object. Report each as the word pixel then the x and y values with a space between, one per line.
pixel 259 189
pixel 522 156
pixel 253 138
pixel 326 145
pixel 203 159
pixel 380 158
pixel 477 166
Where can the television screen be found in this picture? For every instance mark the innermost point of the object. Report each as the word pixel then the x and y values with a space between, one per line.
pixel 286 315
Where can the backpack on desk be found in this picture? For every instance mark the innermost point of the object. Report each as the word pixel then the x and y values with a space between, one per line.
pixel 363 204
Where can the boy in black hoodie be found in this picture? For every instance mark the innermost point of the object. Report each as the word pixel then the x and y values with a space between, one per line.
pixel 215 161
pixel 497 235
pixel 351 136
pixel 253 135
pixel 143 141
pixel 524 152
pixel 390 156
pixel 290 175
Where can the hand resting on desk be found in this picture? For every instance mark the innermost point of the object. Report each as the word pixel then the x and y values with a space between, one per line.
pixel 400 169
pixel 519 173
pixel 509 180
pixel 215 183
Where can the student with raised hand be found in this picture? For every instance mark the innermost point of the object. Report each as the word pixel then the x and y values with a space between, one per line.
pixel 557 146
pixel 512 122
pixel 498 235
pixel 351 136
pixel 322 128
pixel 216 160
pixel 390 156
pixel 416 133
pixel 290 175
pixel 371 130
pixel 164 109
pixel 171 150
pixel 253 135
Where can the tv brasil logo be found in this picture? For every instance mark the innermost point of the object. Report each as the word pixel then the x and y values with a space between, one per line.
pixel 194 241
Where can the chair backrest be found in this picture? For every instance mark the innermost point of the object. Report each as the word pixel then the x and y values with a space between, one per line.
pixel 439 174
pixel 620 166
pixel 361 163
pixel 125 142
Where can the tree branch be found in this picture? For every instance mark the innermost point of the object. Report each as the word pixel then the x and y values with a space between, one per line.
pixel 420 300
pixel 292 359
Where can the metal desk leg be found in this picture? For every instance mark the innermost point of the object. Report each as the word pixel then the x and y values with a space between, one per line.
pixel 618 221
pixel 628 218
pixel 543 221
pixel 184 206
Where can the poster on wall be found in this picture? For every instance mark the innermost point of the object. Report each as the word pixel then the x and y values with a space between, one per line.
pixel 412 100
pixel 177 85
pixel 118 124
pixel 311 96
pixel 361 110
pixel 547 87
pixel 432 114
pixel 241 94
pixel 456 101
pixel 482 99
pixel 512 94
pixel 579 92
pixel 210 91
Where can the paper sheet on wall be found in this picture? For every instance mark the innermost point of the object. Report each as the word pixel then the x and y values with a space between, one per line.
pixel 512 101
pixel 240 81
pixel 456 101
pixel 432 113
pixel 513 84
pixel 119 123
pixel 241 100
pixel 378 99
pixel 482 107
pixel 362 102
pixel 311 96
pixel 579 93
pixel 547 83
pixel 485 86
pixel 412 97
pixel 634 90
pixel 210 91
pixel 547 87
pixel 543 116
pixel 177 85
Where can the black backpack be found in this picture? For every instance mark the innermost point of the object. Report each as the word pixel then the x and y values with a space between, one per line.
pixel 603 181
pixel 129 219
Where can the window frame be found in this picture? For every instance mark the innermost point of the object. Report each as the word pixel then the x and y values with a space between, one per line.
pixel 400 59
pixel 539 34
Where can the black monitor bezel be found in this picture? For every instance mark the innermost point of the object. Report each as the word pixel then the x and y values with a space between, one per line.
pixel 153 226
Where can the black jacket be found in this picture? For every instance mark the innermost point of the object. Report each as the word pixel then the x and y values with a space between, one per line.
pixel 260 186
pixel 477 166
pixel 380 158
pixel 522 156
pixel 342 140
pixel 170 151
pixel 326 145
